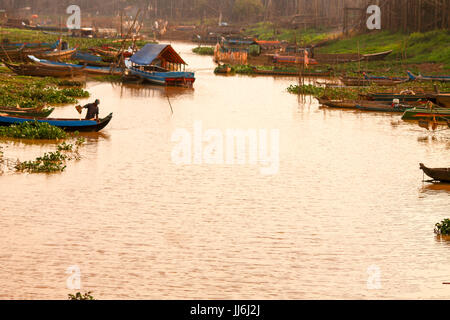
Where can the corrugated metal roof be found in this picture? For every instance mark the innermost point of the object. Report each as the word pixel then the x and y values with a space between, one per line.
pixel 152 51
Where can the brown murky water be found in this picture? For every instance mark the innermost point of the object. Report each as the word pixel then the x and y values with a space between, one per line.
pixel 348 199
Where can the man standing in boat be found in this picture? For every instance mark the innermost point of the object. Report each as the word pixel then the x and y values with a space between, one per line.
pixel 92 110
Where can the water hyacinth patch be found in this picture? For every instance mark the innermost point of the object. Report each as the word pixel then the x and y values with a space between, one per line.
pixel 33 130
pixel 443 228
pixel 52 162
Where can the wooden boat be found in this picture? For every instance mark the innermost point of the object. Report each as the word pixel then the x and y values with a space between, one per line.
pixel 111 52
pixel 437 174
pixel 350 57
pixel 437 115
pixel 65 124
pixel 291 73
pixel 19 54
pixel 355 81
pixel 376 56
pixel 339 104
pixel 379 107
pixel 38 113
pixel 161 76
pixel 90 59
pixel 56 55
pixel 77 67
pixel 223 69
pixel 442 99
pixel 44 71
pixel 428 78
pixel 369 77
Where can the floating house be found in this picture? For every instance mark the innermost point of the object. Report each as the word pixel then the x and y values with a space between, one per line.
pixel 160 64
pixel 235 51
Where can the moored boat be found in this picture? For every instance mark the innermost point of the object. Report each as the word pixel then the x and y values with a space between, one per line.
pixel 428 78
pixel 437 174
pixel 79 68
pixel 355 81
pixel 56 55
pixel 44 71
pixel 379 107
pixel 409 97
pixel 339 104
pixel 437 115
pixel 293 73
pixel 65 124
pixel 35 113
pixel 160 64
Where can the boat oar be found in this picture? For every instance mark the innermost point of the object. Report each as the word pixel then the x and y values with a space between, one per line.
pixel 169 103
pixel 79 109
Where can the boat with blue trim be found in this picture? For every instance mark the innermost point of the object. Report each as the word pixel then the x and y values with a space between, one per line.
pixel 160 64
pixel 84 68
pixel 65 124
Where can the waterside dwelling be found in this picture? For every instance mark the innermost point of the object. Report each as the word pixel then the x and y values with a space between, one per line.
pixel 236 51
pixel 160 64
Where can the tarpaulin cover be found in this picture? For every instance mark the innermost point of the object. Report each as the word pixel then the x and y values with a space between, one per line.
pixel 152 51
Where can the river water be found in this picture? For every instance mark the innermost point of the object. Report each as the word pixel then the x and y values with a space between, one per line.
pixel 345 216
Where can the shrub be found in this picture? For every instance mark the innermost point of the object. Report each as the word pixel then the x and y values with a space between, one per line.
pixel 443 228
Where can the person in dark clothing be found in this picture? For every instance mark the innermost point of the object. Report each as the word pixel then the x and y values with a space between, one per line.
pixel 92 110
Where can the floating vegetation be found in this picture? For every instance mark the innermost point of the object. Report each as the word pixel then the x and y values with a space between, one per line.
pixel 33 130
pixel 75 93
pixel 30 92
pixel 443 228
pixel 204 51
pixel 79 296
pixel 69 83
pixel 52 162
pixel 49 162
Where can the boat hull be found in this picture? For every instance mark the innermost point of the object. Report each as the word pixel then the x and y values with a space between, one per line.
pixel 439 174
pixel 65 124
pixel 183 79
pixel 435 115
pixel 24 113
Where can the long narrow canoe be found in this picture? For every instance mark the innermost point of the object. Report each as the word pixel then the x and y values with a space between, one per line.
pixel 444 98
pixel 44 71
pixel 56 54
pixel 44 113
pixel 19 54
pixel 379 107
pixel 82 68
pixel 428 78
pixel 437 174
pixel 439 115
pixel 339 104
pixel 376 56
pixel 65 124
pixel 294 73
pixel 355 81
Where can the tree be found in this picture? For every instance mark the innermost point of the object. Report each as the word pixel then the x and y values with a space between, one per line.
pixel 247 9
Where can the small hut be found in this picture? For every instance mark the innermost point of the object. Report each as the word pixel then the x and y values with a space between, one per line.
pixel 159 56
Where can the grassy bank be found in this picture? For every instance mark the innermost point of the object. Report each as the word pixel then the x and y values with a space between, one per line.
pixel 352 93
pixel 408 49
pixel 204 51
pixel 30 92
pixel 268 31
pixel 22 35
pixel 415 48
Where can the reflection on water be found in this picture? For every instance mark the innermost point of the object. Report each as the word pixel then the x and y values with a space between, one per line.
pixel 145 90
pixel 349 196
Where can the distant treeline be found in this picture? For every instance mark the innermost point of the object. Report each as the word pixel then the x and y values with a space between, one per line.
pixel 406 15
pixel 415 15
